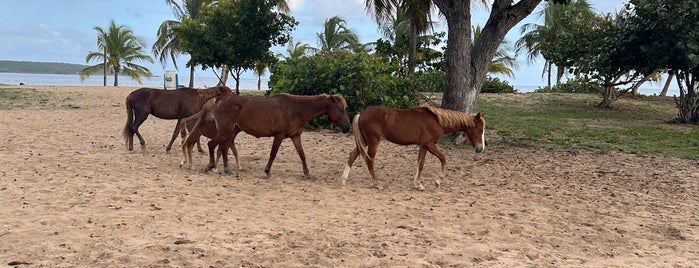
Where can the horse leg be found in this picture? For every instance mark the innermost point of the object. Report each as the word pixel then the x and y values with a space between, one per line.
pixel 299 150
pixel 199 149
pixel 350 161
pixel 140 118
pixel 212 160
pixel 443 159
pixel 223 150
pixel 275 147
pixel 174 135
pixel 420 163
pixel 371 151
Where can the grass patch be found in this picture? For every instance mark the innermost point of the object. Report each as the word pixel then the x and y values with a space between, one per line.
pixel 29 98
pixel 572 122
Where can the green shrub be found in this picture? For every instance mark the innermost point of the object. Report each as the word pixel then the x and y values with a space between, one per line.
pixel 577 85
pixel 362 79
pixel 495 85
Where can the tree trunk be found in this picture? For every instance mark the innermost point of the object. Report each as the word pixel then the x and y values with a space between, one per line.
pixel 224 76
pixel 412 48
pixel 548 73
pixel 104 78
pixel 191 76
pixel 670 75
pixel 635 87
pixel 466 68
pixel 116 77
pixel 559 74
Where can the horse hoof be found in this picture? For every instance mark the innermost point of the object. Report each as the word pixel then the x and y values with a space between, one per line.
pixel 420 187
pixel 379 187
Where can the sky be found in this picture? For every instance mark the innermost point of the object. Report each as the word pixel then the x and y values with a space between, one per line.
pixel 63 30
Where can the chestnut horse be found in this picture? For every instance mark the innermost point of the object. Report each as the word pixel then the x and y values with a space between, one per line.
pixel 281 116
pixel 201 123
pixel 164 104
pixel 423 126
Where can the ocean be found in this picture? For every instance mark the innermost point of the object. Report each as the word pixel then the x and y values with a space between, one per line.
pixel 202 82
pixel 96 80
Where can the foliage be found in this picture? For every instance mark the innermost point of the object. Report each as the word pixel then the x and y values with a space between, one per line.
pixel 576 85
pixel 495 85
pixel 571 122
pixel 8 66
pixel 362 79
pixel 427 58
pixel 121 48
pixel 337 36
pixel 664 34
pixel 237 34
pixel 429 81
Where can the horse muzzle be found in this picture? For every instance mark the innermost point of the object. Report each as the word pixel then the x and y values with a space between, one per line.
pixel 346 129
pixel 479 148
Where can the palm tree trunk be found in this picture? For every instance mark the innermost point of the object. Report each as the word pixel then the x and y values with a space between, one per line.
pixel 548 66
pixel 559 74
pixel 191 76
pixel 104 77
pixel 670 75
pixel 634 89
pixel 412 50
pixel 116 78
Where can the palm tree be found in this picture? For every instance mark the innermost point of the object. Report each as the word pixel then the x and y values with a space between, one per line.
pixel 556 17
pixel 118 49
pixel 259 70
pixel 167 43
pixel 336 36
pixel 295 50
pixel 502 63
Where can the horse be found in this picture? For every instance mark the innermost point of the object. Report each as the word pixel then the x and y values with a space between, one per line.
pixel 422 126
pixel 164 104
pixel 281 116
pixel 201 123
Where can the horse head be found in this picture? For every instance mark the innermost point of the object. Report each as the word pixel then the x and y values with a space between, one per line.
pixel 337 112
pixel 475 133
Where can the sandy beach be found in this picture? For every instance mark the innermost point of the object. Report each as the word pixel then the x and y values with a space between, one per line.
pixel 72 195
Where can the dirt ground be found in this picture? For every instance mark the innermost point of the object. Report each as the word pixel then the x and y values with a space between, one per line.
pixel 71 195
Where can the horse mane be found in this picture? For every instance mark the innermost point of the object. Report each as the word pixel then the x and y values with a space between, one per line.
pixel 336 97
pixel 208 93
pixel 451 119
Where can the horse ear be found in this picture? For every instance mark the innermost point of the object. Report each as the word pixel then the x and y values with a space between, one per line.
pixel 478 116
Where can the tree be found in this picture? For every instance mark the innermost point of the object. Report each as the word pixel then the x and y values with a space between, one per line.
pixel 417 13
pixel 237 34
pixel 559 19
pixel 502 62
pixel 167 43
pixel 118 49
pixel 336 35
pixel 664 34
pixel 294 50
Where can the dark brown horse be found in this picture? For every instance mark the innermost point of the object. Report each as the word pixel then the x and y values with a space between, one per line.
pixel 423 126
pixel 201 123
pixel 164 104
pixel 282 116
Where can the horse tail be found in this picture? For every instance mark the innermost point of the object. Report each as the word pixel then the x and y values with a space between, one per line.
pixel 128 129
pixel 359 138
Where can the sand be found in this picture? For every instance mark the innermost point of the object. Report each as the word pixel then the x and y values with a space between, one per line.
pixel 72 195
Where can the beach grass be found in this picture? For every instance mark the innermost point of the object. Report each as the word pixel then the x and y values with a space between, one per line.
pixel 573 122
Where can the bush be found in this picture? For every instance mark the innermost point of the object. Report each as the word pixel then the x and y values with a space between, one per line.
pixel 577 85
pixel 495 85
pixel 362 79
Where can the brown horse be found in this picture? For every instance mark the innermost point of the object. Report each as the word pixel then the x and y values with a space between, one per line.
pixel 201 123
pixel 423 126
pixel 282 116
pixel 164 104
